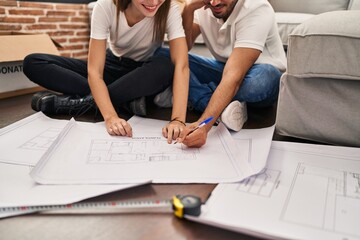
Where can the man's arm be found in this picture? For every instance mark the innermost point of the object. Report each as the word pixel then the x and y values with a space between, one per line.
pixel 238 64
pixel 192 30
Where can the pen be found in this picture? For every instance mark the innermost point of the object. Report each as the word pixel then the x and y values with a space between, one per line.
pixel 203 123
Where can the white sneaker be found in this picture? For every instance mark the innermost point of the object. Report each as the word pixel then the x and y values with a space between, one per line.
pixel 234 115
pixel 165 98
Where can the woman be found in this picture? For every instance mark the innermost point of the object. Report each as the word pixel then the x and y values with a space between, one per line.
pixel 128 70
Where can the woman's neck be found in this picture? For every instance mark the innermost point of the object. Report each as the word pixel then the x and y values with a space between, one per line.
pixel 133 16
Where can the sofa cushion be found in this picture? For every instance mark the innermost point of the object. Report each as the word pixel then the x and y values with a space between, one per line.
pixel 288 21
pixel 327 45
pixel 309 6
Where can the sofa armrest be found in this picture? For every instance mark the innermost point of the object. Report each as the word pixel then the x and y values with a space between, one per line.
pixel 319 92
pixel 354 5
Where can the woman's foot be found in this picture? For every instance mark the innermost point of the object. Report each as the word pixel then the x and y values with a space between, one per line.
pixel 52 103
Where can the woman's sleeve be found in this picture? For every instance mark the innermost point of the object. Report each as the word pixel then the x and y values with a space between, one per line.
pixel 101 19
pixel 174 27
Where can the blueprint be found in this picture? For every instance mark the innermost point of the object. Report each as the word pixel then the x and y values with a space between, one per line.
pixel 25 141
pixel 22 144
pixel 17 188
pixel 84 154
pixel 305 192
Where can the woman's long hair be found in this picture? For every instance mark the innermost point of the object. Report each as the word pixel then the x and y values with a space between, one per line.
pixel 160 17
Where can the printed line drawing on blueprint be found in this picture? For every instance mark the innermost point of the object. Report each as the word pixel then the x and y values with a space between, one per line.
pixel 336 204
pixel 42 141
pixel 262 184
pixel 144 149
pixel 25 141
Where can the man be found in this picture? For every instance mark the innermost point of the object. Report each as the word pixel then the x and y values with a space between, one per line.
pixel 243 37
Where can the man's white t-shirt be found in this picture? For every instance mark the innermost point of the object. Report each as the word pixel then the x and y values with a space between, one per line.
pixel 132 42
pixel 251 25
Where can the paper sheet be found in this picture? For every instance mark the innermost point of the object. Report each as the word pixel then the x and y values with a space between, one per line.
pixel 306 192
pixel 17 188
pixel 21 146
pixel 88 154
pixel 254 146
pixel 25 141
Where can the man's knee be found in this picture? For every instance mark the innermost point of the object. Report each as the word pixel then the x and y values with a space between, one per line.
pixel 165 52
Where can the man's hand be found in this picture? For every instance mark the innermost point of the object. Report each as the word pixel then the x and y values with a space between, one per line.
pixel 118 126
pixel 193 139
pixel 196 4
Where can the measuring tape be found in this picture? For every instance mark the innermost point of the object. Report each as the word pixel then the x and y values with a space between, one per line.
pixel 180 204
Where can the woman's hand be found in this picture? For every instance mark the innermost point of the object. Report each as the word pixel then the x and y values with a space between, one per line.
pixel 172 130
pixel 118 127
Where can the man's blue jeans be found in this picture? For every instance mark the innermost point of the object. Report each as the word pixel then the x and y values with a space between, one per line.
pixel 259 88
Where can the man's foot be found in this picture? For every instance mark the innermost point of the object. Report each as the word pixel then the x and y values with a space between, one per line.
pixel 165 98
pixel 51 103
pixel 234 115
pixel 138 106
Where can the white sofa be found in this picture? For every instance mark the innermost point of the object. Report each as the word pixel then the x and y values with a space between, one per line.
pixel 319 97
pixel 291 13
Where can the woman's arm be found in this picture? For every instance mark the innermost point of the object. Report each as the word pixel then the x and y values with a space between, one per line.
pixel 99 90
pixel 179 57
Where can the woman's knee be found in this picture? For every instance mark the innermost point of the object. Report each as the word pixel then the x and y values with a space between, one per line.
pixel 33 61
pixel 29 60
pixel 29 66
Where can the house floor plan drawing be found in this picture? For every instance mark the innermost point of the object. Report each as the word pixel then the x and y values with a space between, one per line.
pixel 88 154
pixel 262 184
pixel 145 156
pixel 138 150
pixel 305 192
pixel 42 141
pixel 25 141
pixel 339 199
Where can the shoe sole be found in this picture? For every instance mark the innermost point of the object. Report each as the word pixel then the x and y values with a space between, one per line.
pixel 36 100
pixel 232 110
pixel 48 104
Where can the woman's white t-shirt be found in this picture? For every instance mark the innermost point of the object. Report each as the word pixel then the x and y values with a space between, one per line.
pixel 134 42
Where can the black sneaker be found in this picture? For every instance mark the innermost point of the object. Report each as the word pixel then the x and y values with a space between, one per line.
pixel 36 100
pixel 73 105
pixel 62 104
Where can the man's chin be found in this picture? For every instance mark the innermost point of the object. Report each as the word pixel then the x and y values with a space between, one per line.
pixel 217 15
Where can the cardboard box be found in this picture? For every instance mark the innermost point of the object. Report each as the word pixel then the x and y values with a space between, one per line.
pixel 14 47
